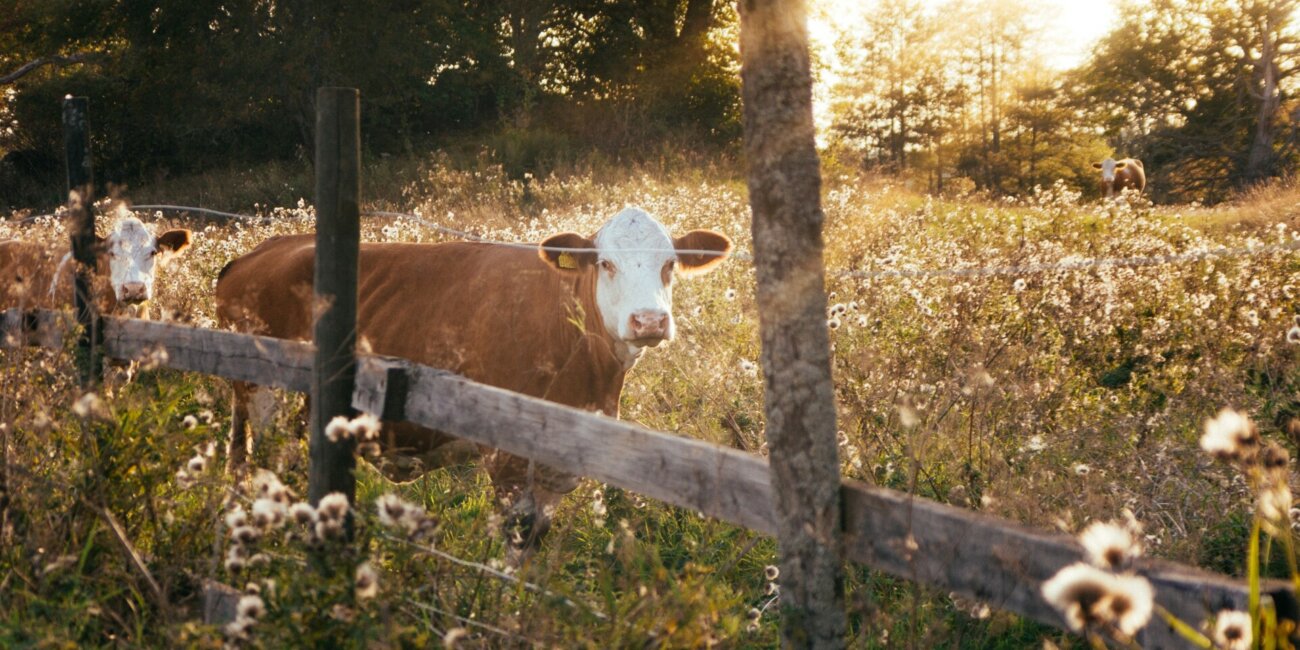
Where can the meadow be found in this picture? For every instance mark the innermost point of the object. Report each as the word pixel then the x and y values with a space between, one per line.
pixel 1052 396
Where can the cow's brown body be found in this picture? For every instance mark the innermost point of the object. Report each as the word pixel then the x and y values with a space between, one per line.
pixel 28 273
pixel 1129 174
pixel 496 315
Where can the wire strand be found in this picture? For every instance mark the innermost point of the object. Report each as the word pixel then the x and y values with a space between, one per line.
pixel 988 271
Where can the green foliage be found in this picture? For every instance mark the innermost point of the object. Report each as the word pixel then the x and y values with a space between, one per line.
pixel 181 86
pixel 1200 91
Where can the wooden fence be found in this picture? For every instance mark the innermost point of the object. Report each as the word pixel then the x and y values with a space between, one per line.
pixel 970 554
pixel 974 555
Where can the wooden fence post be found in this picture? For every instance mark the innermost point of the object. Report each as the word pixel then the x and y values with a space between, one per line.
pixel 338 236
pixel 81 227
pixel 784 194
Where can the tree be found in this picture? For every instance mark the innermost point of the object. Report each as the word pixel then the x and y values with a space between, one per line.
pixel 1200 90
pixel 784 194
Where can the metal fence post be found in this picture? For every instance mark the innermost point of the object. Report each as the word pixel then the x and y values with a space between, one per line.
pixel 338 237
pixel 81 227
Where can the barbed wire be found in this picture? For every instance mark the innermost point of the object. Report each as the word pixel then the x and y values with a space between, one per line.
pixel 988 271
pixel 1076 265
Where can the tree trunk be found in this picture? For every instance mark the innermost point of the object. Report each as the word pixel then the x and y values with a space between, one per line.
pixel 1260 161
pixel 784 193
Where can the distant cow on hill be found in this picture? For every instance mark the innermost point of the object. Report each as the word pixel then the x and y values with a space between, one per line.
pixel 1119 175
pixel 563 322
pixel 34 276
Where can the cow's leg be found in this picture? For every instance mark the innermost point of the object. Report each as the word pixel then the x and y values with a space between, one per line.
pixel 529 493
pixel 240 442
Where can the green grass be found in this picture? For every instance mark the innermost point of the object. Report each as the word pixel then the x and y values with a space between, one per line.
pixel 1054 402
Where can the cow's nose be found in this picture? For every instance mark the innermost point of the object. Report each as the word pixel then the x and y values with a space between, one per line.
pixel 134 292
pixel 649 324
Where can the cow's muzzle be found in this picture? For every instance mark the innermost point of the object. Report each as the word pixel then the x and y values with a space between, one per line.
pixel 649 327
pixel 134 293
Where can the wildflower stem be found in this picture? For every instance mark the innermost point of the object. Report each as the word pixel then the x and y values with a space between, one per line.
pixel 1269 625
pixel 1183 629
pixel 1289 541
pixel 1252 571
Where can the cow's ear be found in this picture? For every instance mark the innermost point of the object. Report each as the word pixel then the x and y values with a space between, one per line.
pixel 698 251
pixel 173 242
pixel 1096 165
pixel 568 251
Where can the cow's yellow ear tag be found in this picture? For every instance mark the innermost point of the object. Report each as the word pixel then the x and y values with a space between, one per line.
pixel 566 261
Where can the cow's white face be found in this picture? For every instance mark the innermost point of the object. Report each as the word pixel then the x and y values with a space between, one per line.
pixel 1108 167
pixel 134 256
pixel 634 257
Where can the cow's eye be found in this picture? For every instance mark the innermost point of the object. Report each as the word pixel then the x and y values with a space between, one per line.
pixel 153 252
pixel 608 266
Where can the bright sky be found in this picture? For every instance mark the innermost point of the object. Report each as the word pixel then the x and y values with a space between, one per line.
pixel 1071 27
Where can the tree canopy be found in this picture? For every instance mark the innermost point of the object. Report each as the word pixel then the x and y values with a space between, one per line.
pixel 179 85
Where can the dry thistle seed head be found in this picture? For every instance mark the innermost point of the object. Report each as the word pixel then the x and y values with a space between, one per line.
pixel 1293 335
pixel 338 429
pixel 391 509
pixel 244 535
pixel 771 572
pixel 1274 457
pixel 367 581
pixel 1130 603
pixel 1109 545
pixel 250 606
pixel 236 517
pixel 365 426
pixel 268 514
pixel 197 464
pixel 753 614
pixel 333 507
pixel 1231 436
pixel 303 513
pixel 1077 592
pixel 238 629
pixel 1274 501
pixel 1232 630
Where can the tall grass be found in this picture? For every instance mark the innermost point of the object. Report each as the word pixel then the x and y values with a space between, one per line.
pixel 1053 398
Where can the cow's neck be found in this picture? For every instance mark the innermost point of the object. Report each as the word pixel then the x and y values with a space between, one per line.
pixel 624 354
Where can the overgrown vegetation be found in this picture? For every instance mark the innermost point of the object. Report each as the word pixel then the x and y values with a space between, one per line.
pixel 1050 397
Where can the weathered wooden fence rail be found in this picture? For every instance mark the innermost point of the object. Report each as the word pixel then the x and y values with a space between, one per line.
pixel 971 554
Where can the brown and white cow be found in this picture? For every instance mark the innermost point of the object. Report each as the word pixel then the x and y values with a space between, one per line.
pixel 1119 175
pixel 562 325
pixel 34 276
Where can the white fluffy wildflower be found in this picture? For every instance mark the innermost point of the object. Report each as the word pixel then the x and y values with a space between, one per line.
pixel 393 510
pixel 332 507
pixel 1130 603
pixel 1230 436
pixel 244 535
pixel 250 606
pixel 1109 545
pixel 367 585
pixel 337 429
pixel 1087 596
pixel 268 513
pixel 1077 591
pixel 1233 630
pixel 303 513
pixel 236 517
pixel 1293 335
pixel 365 426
